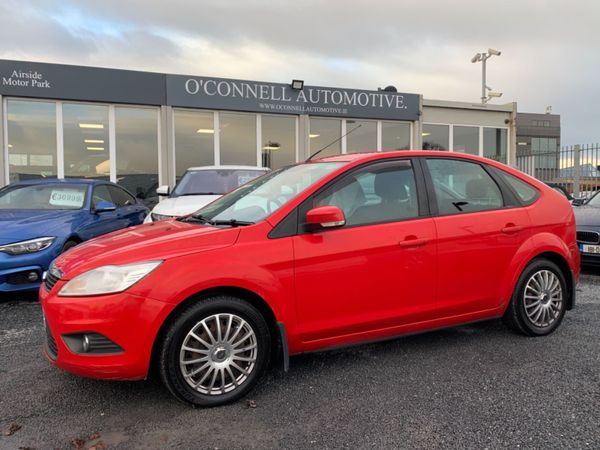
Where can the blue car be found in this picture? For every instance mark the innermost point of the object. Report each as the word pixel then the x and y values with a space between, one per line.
pixel 40 219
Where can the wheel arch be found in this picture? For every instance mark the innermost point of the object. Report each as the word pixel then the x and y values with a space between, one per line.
pixel 557 258
pixel 563 265
pixel 278 347
pixel 74 238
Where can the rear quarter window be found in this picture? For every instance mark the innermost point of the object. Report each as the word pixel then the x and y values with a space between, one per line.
pixel 526 193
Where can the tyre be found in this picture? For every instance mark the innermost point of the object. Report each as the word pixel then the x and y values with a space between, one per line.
pixel 539 301
pixel 214 351
pixel 69 245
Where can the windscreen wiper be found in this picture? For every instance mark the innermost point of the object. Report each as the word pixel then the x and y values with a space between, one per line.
pixel 231 222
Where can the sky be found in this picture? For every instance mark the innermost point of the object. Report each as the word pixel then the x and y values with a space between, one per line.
pixel 550 49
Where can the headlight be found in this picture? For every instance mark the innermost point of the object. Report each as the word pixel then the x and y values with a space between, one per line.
pixel 107 279
pixel 31 246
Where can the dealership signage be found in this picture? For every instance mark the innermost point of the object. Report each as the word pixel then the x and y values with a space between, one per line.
pixel 242 95
pixel 76 83
pixel 57 81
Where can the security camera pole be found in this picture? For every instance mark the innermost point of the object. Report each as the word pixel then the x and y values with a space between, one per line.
pixel 483 57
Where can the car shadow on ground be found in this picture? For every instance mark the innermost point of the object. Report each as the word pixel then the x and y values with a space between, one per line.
pixel 305 370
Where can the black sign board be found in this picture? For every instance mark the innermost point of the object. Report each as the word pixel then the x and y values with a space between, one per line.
pixel 62 82
pixel 278 98
pixel 77 83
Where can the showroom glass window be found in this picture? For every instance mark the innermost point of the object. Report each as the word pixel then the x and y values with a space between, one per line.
pixel 86 141
pixel 436 137
pixel 238 139
pixel 361 136
pixel 324 132
pixel 31 134
pixel 466 139
pixel 194 139
pixel 494 143
pixel 278 141
pixel 395 136
pixel 137 151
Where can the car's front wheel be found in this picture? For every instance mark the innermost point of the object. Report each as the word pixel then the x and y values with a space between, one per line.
pixel 215 351
pixel 539 301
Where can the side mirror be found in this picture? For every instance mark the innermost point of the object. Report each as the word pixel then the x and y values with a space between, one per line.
pixel 163 190
pixel 104 207
pixel 578 201
pixel 325 217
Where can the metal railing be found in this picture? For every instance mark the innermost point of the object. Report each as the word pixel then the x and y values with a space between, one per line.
pixel 576 168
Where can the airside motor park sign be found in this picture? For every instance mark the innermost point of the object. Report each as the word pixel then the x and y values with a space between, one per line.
pixel 78 83
pixel 243 95
pixel 26 79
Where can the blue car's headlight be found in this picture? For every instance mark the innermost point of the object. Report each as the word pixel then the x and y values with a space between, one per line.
pixel 30 246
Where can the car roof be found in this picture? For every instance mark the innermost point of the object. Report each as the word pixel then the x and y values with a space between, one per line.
pixel 355 159
pixel 373 155
pixel 195 169
pixel 42 181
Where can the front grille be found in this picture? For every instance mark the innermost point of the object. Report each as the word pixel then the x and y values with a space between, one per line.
pixel 50 281
pixel 588 237
pixel 50 342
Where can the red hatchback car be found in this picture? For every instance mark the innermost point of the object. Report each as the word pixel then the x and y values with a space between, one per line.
pixel 325 253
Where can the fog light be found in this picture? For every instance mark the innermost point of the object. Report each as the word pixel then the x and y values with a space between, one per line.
pixel 33 276
pixel 86 343
pixel 91 343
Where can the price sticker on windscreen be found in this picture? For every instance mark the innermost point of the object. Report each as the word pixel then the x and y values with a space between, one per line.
pixel 67 197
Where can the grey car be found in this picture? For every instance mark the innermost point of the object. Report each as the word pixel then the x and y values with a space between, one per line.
pixel 588 230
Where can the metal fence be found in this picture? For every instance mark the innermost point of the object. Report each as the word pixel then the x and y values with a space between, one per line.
pixel 576 168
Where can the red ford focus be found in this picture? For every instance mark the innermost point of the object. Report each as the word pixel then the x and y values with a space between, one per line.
pixel 325 253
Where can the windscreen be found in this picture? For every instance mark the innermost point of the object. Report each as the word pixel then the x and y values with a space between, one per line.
pixel 45 197
pixel 262 197
pixel 595 200
pixel 214 182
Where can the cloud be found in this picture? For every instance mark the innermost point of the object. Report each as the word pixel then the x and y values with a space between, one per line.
pixel 549 48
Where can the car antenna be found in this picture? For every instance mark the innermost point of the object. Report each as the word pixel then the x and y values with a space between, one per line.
pixel 332 142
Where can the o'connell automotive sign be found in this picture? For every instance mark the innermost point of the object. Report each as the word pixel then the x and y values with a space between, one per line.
pixel 278 98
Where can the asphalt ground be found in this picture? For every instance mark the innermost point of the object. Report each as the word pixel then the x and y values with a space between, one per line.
pixel 477 386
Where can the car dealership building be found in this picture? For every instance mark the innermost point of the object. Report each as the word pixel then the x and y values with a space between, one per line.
pixel 144 129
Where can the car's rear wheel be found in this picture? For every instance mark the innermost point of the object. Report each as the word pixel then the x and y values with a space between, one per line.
pixel 539 301
pixel 215 351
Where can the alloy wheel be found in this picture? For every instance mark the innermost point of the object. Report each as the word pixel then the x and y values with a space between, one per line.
pixel 543 298
pixel 218 354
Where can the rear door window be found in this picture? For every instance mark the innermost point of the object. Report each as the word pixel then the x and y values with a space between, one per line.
pixel 463 187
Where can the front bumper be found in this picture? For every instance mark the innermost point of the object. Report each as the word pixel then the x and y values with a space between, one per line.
pixel 132 322
pixel 15 268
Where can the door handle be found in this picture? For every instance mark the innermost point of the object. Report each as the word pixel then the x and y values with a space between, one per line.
pixel 412 241
pixel 512 229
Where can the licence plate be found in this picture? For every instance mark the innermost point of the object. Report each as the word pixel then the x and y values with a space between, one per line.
pixel 585 248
